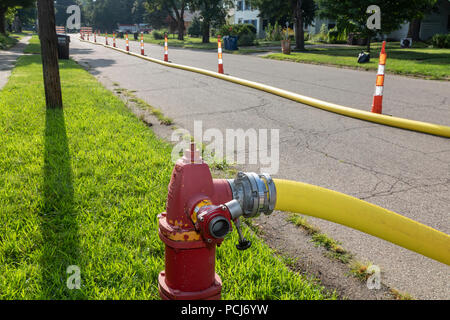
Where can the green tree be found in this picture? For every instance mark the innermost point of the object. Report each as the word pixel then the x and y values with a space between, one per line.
pixel 299 11
pixel 156 18
pixel 424 7
pixel 173 8
pixel 106 14
pixel 27 16
pixel 6 5
pixel 351 14
pixel 61 11
pixel 212 13
pixel 138 11
pixel 195 29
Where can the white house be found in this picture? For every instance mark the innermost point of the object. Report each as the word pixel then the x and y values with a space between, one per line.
pixel 244 13
pixel 432 23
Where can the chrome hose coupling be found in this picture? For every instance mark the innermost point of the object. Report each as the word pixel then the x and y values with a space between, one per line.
pixel 255 193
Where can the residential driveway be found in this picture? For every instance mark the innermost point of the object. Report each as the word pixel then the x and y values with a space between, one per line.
pixel 403 171
pixel 8 59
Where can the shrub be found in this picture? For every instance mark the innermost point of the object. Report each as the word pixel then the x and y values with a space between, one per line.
pixel 322 36
pixel 277 33
pixel 247 28
pixel 226 30
pixel 268 32
pixel 306 36
pixel 441 41
pixel 246 33
pixel 158 34
pixel 246 40
pixel 6 41
pixel 195 29
pixel 333 35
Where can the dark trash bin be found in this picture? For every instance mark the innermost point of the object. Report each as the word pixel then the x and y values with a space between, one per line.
pixel 135 35
pixel 230 42
pixel 63 46
pixel 364 57
pixel 225 42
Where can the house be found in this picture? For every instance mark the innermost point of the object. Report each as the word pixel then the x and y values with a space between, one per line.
pixel 431 24
pixel 316 25
pixel 188 18
pixel 244 13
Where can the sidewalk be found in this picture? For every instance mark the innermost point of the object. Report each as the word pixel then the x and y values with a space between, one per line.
pixel 8 59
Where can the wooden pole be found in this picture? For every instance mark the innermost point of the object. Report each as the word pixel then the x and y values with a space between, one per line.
pixel 49 53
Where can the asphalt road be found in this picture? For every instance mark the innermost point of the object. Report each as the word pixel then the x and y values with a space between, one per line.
pixel 403 171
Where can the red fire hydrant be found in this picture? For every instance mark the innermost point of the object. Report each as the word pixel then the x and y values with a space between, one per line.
pixel 199 214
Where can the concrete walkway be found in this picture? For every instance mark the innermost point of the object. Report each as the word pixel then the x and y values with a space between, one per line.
pixel 8 59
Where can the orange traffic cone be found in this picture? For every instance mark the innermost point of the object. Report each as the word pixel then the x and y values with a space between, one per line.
pixel 166 49
pixel 377 104
pixel 219 50
pixel 127 43
pixel 142 43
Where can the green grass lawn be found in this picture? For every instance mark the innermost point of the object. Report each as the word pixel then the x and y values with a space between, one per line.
pixel 83 186
pixel 33 46
pixel 432 63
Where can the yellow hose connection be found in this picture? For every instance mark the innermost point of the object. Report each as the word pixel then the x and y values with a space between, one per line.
pixel 337 207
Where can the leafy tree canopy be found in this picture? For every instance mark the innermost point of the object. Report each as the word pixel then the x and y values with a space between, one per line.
pixel 351 14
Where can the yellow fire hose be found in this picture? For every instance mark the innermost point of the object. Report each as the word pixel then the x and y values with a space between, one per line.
pixel 413 125
pixel 337 207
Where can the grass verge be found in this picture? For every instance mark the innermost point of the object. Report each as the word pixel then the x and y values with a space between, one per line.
pixel 333 247
pixel 83 186
pixel 34 46
pixel 130 96
pixel 430 63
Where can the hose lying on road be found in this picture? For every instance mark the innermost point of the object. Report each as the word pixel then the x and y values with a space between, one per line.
pixel 419 126
pixel 337 207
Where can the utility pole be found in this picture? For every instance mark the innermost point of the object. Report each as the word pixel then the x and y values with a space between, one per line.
pixel 49 53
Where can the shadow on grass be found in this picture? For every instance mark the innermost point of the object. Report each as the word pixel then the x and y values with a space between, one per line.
pixel 59 226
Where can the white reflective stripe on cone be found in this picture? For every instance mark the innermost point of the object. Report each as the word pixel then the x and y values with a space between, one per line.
pixel 378 90
pixel 380 69
pixel 220 61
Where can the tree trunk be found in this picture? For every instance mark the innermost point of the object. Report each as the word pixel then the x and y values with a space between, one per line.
pixel 414 29
pixel 49 53
pixel 205 31
pixel 299 32
pixel 368 42
pixel 2 20
pixel 181 29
